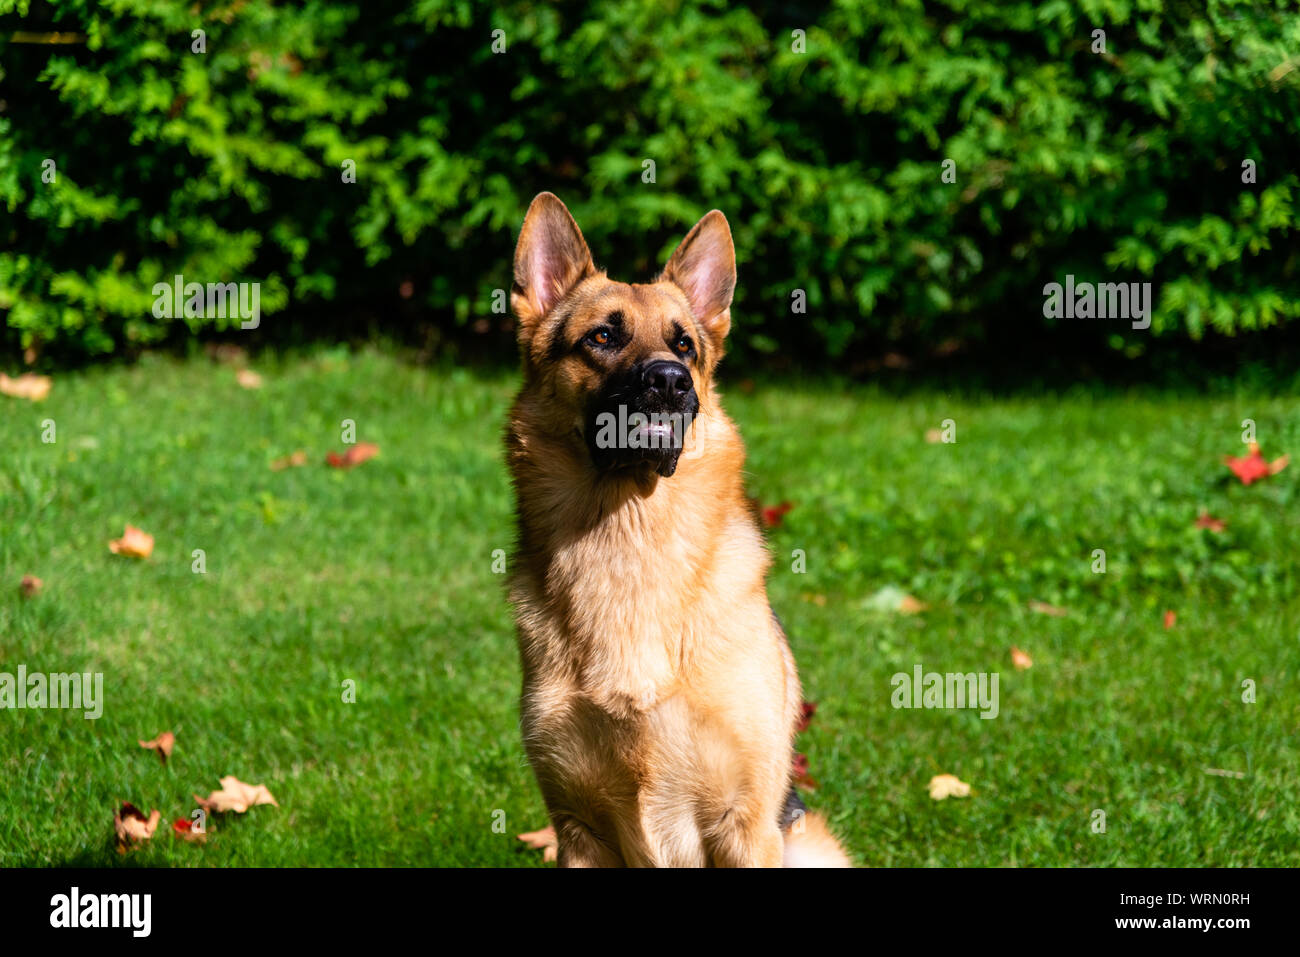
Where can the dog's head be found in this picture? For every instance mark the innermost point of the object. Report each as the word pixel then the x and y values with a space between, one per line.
pixel 623 365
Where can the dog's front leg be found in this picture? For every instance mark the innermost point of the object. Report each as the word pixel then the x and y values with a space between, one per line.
pixel 578 846
pixel 747 841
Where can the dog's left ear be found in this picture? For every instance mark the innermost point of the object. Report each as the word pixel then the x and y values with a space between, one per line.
pixel 704 267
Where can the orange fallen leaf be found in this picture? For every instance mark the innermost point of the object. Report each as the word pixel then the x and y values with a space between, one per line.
pixel 1170 618
pixel 1043 608
pixel 183 828
pixel 235 796
pixel 29 386
pixel 911 606
pixel 134 543
pixel 1252 467
pixel 132 827
pixel 162 744
pixel 355 455
pixel 248 379
pixel 30 586
pixel 544 841
pixel 1205 520
pixel 293 461
pixel 1020 659
pixel 944 786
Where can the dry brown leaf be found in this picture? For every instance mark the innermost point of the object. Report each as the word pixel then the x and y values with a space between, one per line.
pixel 235 796
pixel 296 460
pixel 1020 659
pixel 29 385
pixel 132 827
pixel 248 379
pixel 134 543
pixel 163 744
pixel 30 586
pixel 944 786
pixel 1043 608
pixel 543 840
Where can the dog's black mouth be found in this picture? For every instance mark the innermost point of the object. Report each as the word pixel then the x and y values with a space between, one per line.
pixel 635 427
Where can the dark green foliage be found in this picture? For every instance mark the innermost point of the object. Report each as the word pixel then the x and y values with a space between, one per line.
pixel 226 165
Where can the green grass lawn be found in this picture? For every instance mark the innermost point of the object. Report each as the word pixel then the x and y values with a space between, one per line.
pixel 384 575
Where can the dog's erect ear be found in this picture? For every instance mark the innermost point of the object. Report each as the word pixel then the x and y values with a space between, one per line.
pixel 704 267
pixel 551 257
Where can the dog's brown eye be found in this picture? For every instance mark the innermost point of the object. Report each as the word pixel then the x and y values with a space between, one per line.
pixel 683 345
pixel 599 336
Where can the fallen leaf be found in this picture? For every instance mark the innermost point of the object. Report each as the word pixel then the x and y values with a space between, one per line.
pixel 132 827
pixel 894 599
pixel 1020 659
pixel 162 744
pixel 1252 467
pixel 933 435
pixel 801 777
pixel 774 514
pixel 30 586
pixel 1170 618
pixel 296 460
pixel 355 455
pixel 911 606
pixel 944 786
pixel 235 796
pixel 1204 520
pixel 1043 608
pixel 183 828
pixel 806 712
pixel 248 379
pixel 544 841
pixel 29 385
pixel 133 543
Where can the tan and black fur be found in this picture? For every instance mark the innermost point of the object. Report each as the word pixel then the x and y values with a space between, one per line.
pixel 660 697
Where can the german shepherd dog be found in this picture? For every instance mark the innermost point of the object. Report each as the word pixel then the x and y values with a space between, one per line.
pixel 660 698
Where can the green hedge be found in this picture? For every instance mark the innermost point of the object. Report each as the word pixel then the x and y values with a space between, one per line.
pixel 226 165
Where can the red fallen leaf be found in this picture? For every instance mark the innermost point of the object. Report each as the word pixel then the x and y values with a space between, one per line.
pixel 1170 618
pixel 1252 467
pixel 30 586
pixel 800 768
pixel 355 455
pixel 183 828
pixel 132 827
pixel 773 514
pixel 806 712
pixel 163 744
pixel 544 841
pixel 1204 520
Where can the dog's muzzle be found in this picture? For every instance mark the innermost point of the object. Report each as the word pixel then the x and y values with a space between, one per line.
pixel 642 417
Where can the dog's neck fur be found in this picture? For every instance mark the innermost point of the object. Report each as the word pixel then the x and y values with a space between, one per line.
pixel 587 540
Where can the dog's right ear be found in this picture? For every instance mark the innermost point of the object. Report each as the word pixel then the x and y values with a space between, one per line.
pixel 551 258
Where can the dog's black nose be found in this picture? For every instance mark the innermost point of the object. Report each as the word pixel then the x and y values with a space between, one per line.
pixel 671 380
